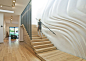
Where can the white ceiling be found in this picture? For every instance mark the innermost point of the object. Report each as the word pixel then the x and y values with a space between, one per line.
pixel 15 18
pixel 18 9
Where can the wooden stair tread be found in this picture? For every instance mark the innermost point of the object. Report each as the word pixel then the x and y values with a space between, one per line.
pixel 45 49
pixel 43 46
pixel 42 42
pixel 38 37
pixel 48 53
pixel 39 40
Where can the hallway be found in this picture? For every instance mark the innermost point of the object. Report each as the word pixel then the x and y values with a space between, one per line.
pixel 62 24
pixel 13 50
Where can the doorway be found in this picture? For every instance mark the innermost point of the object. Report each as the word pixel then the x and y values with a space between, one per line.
pixel 13 31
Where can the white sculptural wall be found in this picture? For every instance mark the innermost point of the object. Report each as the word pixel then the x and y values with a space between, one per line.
pixel 67 18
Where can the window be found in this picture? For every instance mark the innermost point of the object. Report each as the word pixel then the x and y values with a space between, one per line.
pixel 13 31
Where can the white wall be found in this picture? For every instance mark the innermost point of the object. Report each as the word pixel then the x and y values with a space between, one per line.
pixel 11 25
pixel 4 28
pixel 37 9
pixel 1 28
pixel 20 30
pixel 19 27
pixel 21 33
pixel 67 18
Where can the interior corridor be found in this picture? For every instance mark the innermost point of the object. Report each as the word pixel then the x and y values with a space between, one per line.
pixel 13 50
pixel 62 24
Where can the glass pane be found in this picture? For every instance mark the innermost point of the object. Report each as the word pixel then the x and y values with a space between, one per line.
pixel 11 31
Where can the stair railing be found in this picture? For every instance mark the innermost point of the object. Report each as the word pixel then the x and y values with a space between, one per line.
pixel 48 28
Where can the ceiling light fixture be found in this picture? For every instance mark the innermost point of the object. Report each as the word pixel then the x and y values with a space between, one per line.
pixel 1 5
pixel 11 19
pixel 14 1
pixel 7 11
pixel 13 5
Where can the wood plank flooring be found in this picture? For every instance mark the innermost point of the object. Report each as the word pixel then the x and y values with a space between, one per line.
pixel 13 50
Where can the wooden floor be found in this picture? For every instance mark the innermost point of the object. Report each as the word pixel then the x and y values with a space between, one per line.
pixel 13 50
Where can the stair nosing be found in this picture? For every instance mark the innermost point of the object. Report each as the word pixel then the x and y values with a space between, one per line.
pixel 43 45
pixel 40 42
pixel 45 48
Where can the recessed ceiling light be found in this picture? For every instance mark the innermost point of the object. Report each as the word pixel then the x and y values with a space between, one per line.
pixel 11 19
pixel 14 1
pixel 6 11
pixel 1 5
pixel 13 5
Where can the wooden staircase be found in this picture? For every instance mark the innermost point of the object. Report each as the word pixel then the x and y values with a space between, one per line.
pixel 42 45
pixel 46 51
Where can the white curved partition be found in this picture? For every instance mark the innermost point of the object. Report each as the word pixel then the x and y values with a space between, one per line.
pixel 67 18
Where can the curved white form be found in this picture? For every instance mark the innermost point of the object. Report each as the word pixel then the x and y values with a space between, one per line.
pixel 67 18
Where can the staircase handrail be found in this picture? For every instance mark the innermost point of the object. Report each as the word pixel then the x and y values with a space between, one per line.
pixel 48 28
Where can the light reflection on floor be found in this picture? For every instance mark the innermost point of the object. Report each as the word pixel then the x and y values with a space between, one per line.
pixel 13 42
pixel 13 50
